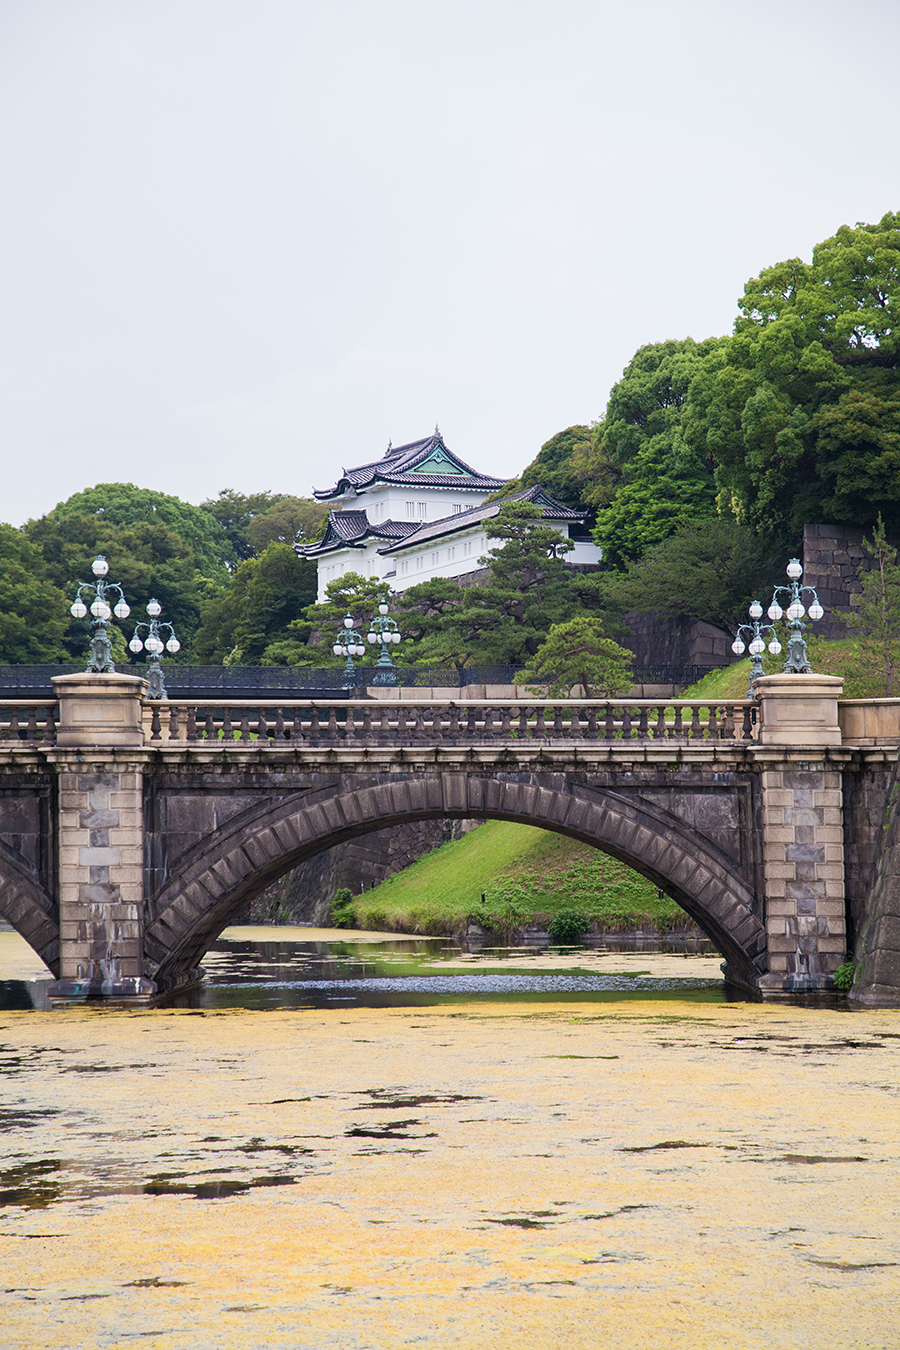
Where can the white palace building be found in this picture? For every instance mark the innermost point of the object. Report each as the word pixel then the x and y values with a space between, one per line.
pixel 419 512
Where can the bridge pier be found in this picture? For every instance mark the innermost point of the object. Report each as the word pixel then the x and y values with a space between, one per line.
pixel 803 834
pixel 99 763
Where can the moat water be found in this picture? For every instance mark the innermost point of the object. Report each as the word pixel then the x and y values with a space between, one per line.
pixel 360 1141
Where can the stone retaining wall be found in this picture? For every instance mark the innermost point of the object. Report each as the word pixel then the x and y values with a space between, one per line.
pixel 304 894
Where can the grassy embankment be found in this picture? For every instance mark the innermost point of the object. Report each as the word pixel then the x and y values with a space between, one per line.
pixel 840 657
pixel 527 875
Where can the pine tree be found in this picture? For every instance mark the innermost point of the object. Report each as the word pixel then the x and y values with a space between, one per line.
pixel 877 615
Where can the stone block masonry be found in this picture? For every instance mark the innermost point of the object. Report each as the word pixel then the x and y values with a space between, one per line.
pixel 101 867
pixel 804 868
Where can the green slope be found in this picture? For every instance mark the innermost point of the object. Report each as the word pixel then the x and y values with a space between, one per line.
pixel 526 874
pixel 842 656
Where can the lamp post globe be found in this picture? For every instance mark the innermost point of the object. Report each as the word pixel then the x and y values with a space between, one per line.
pixel 756 643
pixel 797 662
pixel 99 593
pixel 384 630
pixel 348 643
pixel 153 644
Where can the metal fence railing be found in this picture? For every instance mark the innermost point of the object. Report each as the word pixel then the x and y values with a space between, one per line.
pixel 190 681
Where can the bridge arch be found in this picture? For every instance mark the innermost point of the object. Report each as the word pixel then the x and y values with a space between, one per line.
pixel 215 879
pixel 26 904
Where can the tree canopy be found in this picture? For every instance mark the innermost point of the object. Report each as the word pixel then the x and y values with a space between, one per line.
pixel 559 467
pixel 254 612
pixel 505 618
pixel 578 654
pixel 800 409
pixel 253 521
pixel 34 613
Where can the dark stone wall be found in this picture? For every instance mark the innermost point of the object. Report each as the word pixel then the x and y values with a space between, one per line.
pixel 303 895
pixel 866 792
pixel 833 556
pixel 878 946
pixel 658 639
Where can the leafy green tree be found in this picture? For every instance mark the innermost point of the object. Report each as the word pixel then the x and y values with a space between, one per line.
pixel 234 512
pixel 34 613
pixel 253 521
pixel 558 467
pixel 126 505
pixel 600 477
pixel 663 483
pixel 710 570
pixel 877 615
pixel 314 633
pixel 662 492
pixel 287 521
pixel 578 652
pixel 255 611
pixel 149 560
pixel 647 404
pixel 800 409
pixel 505 619
pixel 426 613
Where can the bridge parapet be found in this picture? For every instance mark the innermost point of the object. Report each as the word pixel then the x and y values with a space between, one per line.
pixel 409 722
pixel 32 723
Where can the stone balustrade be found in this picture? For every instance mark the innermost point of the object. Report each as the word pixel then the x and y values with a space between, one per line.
pixel 861 722
pixel 410 722
pixel 32 723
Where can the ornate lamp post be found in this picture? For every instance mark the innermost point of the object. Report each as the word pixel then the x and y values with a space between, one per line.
pixel 797 662
pixel 757 643
pixel 385 630
pixel 349 644
pixel 154 645
pixel 100 660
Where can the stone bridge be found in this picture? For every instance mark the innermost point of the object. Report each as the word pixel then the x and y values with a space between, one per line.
pixel 132 832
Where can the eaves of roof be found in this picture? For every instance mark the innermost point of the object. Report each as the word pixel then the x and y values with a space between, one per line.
pixel 430 531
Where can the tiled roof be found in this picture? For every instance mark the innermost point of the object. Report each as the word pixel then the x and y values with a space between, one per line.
pixel 350 529
pixel 398 465
pixel 465 520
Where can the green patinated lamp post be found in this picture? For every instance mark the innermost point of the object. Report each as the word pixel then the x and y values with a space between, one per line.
pixel 757 643
pixel 385 630
pixel 349 644
pixel 100 660
pixel 797 662
pixel 154 645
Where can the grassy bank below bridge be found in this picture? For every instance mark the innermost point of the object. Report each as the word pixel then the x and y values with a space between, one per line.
pixel 527 875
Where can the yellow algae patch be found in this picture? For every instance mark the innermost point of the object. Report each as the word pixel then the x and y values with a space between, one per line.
pixel 18 961
pixel 638 1175
pixel 288 933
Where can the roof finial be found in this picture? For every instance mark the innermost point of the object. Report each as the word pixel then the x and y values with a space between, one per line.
pixel 390 446
pixel 437 430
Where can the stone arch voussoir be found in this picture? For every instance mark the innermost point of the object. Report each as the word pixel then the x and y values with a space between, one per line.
pixel 26 904
pixel 217 878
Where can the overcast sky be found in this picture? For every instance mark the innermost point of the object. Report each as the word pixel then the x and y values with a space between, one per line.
pixel 245 242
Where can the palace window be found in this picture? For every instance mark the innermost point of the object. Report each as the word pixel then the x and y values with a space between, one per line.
pixel 410 510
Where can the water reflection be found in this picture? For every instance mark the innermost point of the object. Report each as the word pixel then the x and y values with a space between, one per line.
pixel 249 971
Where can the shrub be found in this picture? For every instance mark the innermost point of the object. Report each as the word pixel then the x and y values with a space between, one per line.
pixel 843 976
pixel 340 911
pixel 568 927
